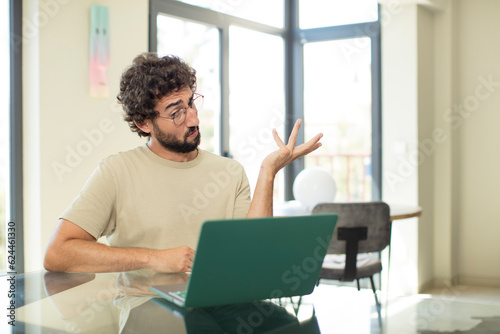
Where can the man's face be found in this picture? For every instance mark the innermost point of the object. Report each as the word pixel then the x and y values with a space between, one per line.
pixel 182 138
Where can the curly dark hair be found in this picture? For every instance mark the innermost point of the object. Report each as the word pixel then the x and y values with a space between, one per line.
pixel 147 81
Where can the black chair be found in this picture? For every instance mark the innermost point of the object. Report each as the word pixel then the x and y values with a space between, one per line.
pixel 362 228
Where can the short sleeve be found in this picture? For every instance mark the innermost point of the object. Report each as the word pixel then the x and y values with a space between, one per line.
pixel 93 209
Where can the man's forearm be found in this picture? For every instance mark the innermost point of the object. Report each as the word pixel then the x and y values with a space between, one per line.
pixel 262 201
pixel 72 249
pixel 77 255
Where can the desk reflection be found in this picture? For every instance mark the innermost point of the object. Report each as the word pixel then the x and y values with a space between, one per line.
pixel 256 317
pixel 123 303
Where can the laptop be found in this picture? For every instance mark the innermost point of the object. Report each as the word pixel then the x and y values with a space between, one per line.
pixel 244 260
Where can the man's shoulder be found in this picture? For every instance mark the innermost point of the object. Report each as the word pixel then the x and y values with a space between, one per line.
pixel 134 154
pixel 214 161
pixel 217 159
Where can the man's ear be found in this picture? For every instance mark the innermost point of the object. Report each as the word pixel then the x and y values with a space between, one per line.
pixel 147 126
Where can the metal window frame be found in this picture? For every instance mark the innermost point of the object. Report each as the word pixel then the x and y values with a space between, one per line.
pixel 294 40
pixel 294 81
pixel 373 31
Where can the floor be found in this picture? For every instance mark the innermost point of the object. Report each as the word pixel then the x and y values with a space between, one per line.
pixel 457 310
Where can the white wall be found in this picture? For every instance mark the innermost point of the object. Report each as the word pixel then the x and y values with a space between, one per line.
pixel 437 58
pixel 465 210
pixel 58 110
pixel 399 138
pixel 476 206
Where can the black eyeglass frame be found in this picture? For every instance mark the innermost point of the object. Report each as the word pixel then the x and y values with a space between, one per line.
pixel 179 116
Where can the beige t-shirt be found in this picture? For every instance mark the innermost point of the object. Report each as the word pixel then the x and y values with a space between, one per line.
pixel 138 199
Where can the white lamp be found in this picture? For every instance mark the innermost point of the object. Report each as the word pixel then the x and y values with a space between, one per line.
pixel 314 185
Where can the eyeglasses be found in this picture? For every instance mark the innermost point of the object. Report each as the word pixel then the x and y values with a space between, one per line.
pixel 179 115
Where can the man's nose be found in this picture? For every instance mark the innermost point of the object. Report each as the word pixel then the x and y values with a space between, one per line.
pixel 192 117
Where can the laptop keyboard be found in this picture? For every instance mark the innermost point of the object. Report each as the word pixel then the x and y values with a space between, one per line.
pixel 179 294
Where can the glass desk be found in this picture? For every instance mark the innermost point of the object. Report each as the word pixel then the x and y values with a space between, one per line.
pixel 47 302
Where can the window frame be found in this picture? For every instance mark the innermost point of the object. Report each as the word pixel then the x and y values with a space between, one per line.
pixel 294 40
pixel 371 30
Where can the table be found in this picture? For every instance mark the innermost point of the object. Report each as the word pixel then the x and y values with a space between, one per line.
pixel 48 302
pixel 399 211
pixel 294 208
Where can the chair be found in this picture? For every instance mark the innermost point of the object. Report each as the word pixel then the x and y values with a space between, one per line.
pixel 361 228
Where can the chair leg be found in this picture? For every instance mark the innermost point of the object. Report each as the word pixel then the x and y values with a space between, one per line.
pixel 377 304
pixel 357 282
pixel 296 306
pixel 374 291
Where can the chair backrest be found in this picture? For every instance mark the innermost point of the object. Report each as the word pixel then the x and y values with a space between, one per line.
pixel 375 216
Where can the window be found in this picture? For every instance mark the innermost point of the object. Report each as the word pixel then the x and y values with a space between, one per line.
pixel 337 102
pixel 198 45
pixel 317 59
pixel 341 64
pixel 256 99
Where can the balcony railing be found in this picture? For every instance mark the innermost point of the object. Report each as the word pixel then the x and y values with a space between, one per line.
pixel 351 172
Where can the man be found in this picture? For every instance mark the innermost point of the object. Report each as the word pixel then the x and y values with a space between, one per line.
pixel 150 201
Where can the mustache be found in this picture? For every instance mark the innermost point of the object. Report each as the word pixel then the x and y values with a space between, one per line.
pixel 191 130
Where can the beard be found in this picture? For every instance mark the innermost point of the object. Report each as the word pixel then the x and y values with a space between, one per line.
pixel 171 143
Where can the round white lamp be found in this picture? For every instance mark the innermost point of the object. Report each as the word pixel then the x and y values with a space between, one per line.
pixel 314 185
